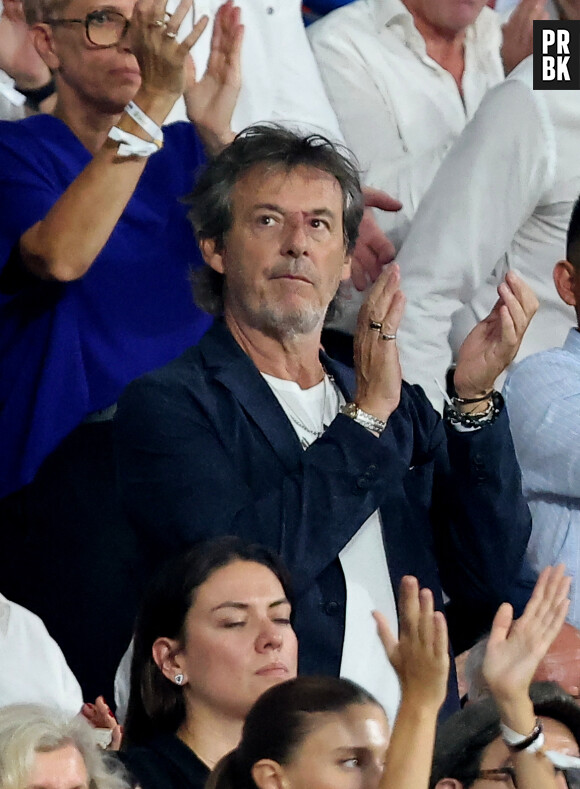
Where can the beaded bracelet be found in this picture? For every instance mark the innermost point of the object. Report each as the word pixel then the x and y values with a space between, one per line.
pixel 456 417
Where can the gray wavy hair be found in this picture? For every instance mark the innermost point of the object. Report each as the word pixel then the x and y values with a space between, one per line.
pixel 28 729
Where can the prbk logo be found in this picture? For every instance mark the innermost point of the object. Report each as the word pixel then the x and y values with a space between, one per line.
pixel 556 55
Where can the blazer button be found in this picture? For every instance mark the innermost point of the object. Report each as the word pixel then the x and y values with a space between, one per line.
pixel 332 608
pixel 366 480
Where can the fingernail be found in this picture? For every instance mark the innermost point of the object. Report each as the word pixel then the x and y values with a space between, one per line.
pixel 110 711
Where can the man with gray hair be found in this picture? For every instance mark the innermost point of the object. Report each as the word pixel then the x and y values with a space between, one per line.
pixel 353 479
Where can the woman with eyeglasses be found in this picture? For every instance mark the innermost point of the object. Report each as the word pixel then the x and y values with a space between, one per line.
pixel 95 256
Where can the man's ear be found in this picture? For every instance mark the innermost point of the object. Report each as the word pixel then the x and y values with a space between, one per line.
pixel 449 783
pixel 212 253
pixel 268 774
pixel 167 655
pixel 565 277
pixel 44 44
pixel 346 268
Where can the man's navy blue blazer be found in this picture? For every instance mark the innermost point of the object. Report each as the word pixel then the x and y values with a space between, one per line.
pixel 205 449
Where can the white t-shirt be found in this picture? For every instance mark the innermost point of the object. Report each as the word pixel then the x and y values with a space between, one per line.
pixel 363 559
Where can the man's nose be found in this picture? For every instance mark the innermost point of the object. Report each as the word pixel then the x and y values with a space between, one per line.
pixel 295 237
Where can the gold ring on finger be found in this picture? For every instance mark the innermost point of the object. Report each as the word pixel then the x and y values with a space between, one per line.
pixel 388 336
pixel 160 23
pixel 375 326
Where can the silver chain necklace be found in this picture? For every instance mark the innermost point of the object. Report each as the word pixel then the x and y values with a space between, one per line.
pixel 293 416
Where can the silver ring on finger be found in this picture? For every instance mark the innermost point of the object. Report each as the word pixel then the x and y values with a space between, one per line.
pixel 375 326
pixel 388 336
pixel 159 23
pixel 170 34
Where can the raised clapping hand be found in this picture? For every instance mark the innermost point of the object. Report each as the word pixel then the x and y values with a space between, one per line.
pixel 211 101
pixel 153 40
pixel 492 344
pixel 516 648
pixel 420 656
pixel 421 659
pixel 167 67
pixel 376 358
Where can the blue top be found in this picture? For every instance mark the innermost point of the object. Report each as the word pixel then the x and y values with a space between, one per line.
pixel 68 349
pixel 543 399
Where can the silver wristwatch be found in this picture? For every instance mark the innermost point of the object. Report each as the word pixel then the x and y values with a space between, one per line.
pixel 366 420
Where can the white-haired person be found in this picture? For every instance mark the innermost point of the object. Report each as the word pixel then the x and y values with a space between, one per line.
pixel 44 748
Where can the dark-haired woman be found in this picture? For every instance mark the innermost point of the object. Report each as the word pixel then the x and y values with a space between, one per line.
pixel 328 733
pixel 325 733
pixel 213 634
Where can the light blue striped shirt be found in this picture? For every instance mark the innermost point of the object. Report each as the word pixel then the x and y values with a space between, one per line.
pixel 542 396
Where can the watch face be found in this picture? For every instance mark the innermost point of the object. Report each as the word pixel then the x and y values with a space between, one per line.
pixel 350 409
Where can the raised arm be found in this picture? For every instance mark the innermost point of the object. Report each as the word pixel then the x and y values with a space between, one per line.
pixel 65 243
pixel 421 659
pixel 514 651
pixel 210 101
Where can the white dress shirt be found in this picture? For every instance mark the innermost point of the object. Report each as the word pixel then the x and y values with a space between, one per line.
pixel 398 109
pixel 543 400
pixel 280 78
pixel 32 667
pixel 501 200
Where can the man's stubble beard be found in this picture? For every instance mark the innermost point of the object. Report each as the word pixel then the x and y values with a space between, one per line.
pixel 273 321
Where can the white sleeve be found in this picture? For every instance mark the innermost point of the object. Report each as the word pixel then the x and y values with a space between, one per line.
pixel 489 183
pixel 33 669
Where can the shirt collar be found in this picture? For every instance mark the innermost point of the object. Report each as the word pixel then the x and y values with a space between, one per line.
pixel 392 13
pixel 389 12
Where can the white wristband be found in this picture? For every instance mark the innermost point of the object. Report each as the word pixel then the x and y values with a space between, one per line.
pixel 144 121
pixel 131 145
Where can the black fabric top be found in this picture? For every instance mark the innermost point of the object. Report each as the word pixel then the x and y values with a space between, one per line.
pixel 165 763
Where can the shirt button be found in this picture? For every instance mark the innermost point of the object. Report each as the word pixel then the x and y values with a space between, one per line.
pixel 269 10
pixel 332 608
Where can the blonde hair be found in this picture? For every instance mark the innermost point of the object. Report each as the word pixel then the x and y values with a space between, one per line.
pixel 28 729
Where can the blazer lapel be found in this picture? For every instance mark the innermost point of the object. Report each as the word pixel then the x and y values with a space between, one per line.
pixel 237 372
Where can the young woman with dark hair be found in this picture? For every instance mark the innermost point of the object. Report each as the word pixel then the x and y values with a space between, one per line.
pixel 213 634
